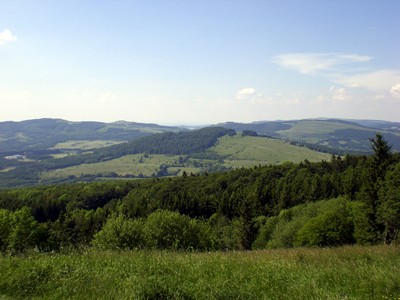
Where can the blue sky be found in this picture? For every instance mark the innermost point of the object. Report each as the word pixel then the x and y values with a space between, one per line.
pixel 199 62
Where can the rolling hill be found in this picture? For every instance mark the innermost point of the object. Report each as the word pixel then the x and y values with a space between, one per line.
pixel 41 134
pixel 329 135
pixel 52 150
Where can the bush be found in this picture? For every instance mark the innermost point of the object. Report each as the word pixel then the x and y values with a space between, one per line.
pixel 331 228
pixel 165 229
pixel 119 233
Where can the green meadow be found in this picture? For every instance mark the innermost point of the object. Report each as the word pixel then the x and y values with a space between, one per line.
pixel 85 144
pixel 237 151
pixel 129 164
pixel 248 151
pixel 304 273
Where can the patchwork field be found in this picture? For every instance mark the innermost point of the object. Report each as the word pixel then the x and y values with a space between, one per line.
pixel 237 151
pixel 135 164
pixel 85 144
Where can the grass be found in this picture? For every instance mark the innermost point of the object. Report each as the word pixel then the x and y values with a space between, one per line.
pixel 85 144
pixel 249 151
pixel 129 164
pixel 312 131
pixel 238 151
pixel 337 273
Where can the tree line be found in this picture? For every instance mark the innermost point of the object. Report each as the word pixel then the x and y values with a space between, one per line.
pixel 350 199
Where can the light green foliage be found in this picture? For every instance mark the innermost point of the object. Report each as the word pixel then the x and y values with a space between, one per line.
pixel 120 233
pixel 161 230
pixel 18 230
pixel 170 230
pixel 323 223
pixel 333 227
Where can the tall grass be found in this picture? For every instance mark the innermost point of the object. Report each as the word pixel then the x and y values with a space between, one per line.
pixel 337 273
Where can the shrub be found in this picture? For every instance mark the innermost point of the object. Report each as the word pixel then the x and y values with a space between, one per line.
pixel 331 228
pixel 120 233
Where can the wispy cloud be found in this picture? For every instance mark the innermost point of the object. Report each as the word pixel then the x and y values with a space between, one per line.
pixel 245 93
pixel 318 63
pixel 351 71
pixel 395 90
pixel 340 94
pixel 6 36
pixel 381 80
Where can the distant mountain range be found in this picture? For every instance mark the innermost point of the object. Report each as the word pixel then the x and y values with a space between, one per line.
pixel 343 136
pixel 57 151
pixel 45 133
pixel 320 134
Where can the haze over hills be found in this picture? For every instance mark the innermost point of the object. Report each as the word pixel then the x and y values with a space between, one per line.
pixel 53 150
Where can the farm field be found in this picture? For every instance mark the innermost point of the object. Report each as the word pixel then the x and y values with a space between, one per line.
pixel 249 151
pixel 329 273
pixel 85 144
pixel 237 151
pixel 135 164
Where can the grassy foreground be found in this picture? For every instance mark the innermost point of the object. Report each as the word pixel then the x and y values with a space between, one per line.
pixel 339 273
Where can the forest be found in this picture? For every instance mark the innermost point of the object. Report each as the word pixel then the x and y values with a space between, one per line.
pixel 347 200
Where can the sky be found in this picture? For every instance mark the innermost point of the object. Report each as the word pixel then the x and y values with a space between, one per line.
pixel 199 62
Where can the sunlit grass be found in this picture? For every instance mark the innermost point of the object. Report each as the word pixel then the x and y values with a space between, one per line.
pixel 338 273
pixel 251 151
pixel 85 144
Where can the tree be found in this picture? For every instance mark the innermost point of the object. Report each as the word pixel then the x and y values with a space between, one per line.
pixel 382 154
pixel 388 213
pixel 5 228
pixel 120 234
pixel 24 230
pixel 334 227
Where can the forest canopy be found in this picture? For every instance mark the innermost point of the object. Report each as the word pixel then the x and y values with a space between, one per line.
pixel 347 200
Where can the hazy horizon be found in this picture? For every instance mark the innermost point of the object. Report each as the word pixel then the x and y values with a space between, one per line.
pixel 199 62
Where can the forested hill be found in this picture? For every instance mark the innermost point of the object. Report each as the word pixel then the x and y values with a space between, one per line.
pixel 348 200
pixel 173 143
pixel 327 135
pixel 179 143
pixel 41 134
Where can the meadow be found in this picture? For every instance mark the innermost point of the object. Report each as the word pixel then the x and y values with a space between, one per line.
pixel 351 272
pixel 129 164
pixel 85 144
pixel 248 151
pixel 237 151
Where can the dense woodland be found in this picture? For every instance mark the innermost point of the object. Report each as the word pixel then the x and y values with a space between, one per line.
pixel 347 200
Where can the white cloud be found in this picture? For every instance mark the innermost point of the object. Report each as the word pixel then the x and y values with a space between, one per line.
pixel 340 94
pixel 6 36
pixel 315 63
pixel 395 90
pixel 381 80
pixel 245 94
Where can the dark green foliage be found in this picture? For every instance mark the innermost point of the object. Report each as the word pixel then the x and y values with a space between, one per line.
pixel 261 207
pixel 388 213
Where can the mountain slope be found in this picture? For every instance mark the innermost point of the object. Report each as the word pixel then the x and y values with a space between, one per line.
pixel 45 133
pixel 341 136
